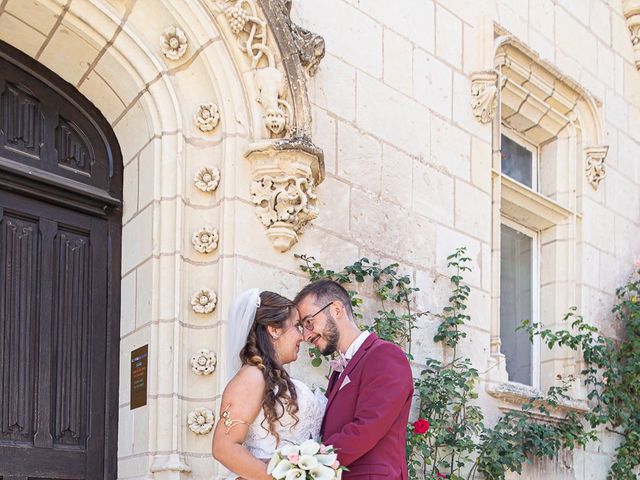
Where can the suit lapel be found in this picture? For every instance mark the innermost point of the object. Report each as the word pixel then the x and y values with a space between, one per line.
pixel 335 388
pixel 332 381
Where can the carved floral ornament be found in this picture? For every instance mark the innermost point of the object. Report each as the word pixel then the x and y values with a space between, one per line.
pixel 205 240
pixel 595 168
pixel 207 179
pixel 631 9
pixel 200 420
pixel 173 43
pixel 204 301
pixel 203 362
pixel 207 117
pixel 484 95
pixel 285 174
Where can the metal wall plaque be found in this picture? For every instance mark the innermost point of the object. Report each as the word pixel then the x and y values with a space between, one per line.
pixel 139 360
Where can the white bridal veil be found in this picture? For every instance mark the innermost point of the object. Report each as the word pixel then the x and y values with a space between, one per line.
pixel 240 318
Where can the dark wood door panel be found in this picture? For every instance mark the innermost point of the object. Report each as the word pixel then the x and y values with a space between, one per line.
pixel 60 233
pixel 53 299
pixel 18 328
pixel 53 464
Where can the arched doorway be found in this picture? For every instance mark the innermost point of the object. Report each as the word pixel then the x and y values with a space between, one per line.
pixel 60 224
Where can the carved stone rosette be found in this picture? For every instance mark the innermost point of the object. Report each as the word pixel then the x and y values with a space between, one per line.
pixel 203 362
pixel 173 43
pixel 205 240
pixel 631 9
pixel 204 301
pixel 285 174
pixel 484 95
pixel 207 117
pixel 200 420
pixel 207 179
pixel 595 168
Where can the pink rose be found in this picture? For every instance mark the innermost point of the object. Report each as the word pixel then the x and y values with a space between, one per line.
pixel 638 263
pixel 293 457
pixel 335 465
pixel 323 449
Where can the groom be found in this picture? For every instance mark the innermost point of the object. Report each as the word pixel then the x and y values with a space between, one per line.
pixel 370 388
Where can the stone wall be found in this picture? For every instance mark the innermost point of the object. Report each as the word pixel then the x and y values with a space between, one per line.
pixel 408 173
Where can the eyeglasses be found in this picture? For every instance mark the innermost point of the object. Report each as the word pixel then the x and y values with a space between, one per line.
pixel 307 322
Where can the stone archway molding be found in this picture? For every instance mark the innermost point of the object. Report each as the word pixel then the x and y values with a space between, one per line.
pixel 558 99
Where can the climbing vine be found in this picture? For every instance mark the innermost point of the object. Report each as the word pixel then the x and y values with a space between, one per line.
pixel 451 438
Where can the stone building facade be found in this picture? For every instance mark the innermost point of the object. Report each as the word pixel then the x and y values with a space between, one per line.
pixel 246 139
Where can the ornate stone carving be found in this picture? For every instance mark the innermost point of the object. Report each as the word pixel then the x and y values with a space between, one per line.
pixel 207 179
pixel 310 46
pixel 203 362
pixel 631 9
pixel 200 420
pixel 205 240
pixel 173 43
pixel 285 174
pixel 207 117
pixel 484 95
pixel 253 39
pixel 595 168
pixel 204 301
pixel 271 89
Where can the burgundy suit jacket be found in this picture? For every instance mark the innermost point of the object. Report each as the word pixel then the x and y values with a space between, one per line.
pixel 366 416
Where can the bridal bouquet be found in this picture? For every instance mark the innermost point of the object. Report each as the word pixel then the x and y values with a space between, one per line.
pixel 307 461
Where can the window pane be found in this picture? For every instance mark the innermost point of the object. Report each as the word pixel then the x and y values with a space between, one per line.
pixel 517 162
pixel 516 259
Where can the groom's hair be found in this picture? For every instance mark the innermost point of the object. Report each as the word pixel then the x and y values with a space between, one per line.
pixel 326 291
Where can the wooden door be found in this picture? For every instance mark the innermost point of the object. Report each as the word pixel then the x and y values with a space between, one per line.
pixel 52 358
pixel 60 191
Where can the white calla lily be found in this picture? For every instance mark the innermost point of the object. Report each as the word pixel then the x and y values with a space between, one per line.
pixel 281 469
pixel 289 450
pixel 309 447
pixel 320 472
pixel 307 462
pixel 327 459
pixel 295 474
pixel 273 462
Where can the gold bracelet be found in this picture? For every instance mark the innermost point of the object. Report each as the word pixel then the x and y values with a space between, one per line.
pixel 228 421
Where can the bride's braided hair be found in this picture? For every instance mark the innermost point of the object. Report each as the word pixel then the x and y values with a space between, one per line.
pixel 280 393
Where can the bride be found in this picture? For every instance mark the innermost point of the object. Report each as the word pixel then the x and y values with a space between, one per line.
pixel 262 407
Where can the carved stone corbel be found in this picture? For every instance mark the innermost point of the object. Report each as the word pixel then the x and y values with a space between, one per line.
pixel 484 95
pixel 631 9
pixel 285 174
pixel 595 168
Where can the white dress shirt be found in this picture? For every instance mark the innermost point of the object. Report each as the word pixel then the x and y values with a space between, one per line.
pixel 355 345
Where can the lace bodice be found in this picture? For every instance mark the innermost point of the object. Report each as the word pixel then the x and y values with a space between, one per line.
pixel 311 407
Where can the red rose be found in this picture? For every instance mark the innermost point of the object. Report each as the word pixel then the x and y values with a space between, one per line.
pixel 441 475
pixel 421 426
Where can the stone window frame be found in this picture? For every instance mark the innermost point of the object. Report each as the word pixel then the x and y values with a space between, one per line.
pixel 563 119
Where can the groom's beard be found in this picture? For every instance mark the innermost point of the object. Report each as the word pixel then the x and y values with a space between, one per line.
pixel 331 336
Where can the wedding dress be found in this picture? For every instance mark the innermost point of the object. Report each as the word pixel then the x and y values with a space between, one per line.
pixel 262 444
pixel 311 405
